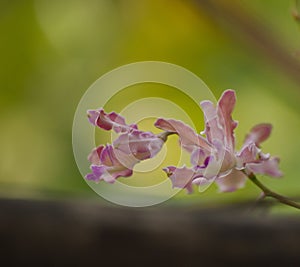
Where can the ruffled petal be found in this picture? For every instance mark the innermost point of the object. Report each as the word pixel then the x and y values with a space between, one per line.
pixel 232 181
pixel 107 174
pixel 142 145
pixel 188 138
pixel 219 162
pixel 110 164
pixel 267 167
pixel 258 134
pixel 125 172
pixel 108 121
pixel 181 177
pixel 94 156
pixel 108 157
pixel 225 108
pixel 213 130
pixel 99 173
pixel 93 116
pixel 249 153
pixel 198 157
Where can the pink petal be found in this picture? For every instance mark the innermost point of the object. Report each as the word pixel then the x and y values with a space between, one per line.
pixel 94 156
pixel 248 154
pixel 212 168
pixel 180 177
pixel 93 116
pixel 117 159
pixel 108 121
pixel 201 181
pixel 198 157
pixel 212 127
pixel 108 174
pixel 232 181
pixel 120 173
pixel 268 167
pixel 98 173
pixel 109 164
pixel 142 145
pixel 220 161
pixel 259 133
pixel 188 138
pixel 107 156
pixel 225 108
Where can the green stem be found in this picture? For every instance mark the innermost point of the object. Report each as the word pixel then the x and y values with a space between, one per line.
pixel 270 193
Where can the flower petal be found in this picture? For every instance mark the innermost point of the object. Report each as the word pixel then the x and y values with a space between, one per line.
pixel 142 145
pixel 212 127
pixel 225 108
pixel 120 173
pixel 259 133
pixel 249 153
pixel 198 157
pixel 94 156
pixel 108 157
pixel 268 167
pixel 93 116
pixel 180 177
pixel 108 121
pixel 188 138
pixel 108 174
pixel 97 173
pixel 117 159
pixel 232 181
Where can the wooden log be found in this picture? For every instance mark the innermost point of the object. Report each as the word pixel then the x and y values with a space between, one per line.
pixel 84 233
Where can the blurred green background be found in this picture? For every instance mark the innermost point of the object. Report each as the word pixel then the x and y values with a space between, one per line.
pixel 52 51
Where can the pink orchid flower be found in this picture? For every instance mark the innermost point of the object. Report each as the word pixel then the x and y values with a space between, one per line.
pixel 214 157
pixel 132 146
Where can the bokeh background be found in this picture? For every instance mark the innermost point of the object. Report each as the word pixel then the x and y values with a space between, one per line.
pixel 52 51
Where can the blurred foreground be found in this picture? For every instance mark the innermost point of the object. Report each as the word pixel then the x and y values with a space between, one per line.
pixel 82 233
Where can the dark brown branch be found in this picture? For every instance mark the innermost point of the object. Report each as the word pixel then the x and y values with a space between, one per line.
pixel 269 193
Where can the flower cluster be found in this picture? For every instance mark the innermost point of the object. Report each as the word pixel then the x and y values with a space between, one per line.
pixel 132 146
pixel 214 158
pixel 212 153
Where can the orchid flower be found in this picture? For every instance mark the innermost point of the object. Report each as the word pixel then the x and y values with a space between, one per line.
pixel 213 154
pixel 214 157
pixel 132 146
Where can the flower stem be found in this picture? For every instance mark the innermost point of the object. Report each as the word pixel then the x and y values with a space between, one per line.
pixel 269 193
pixel 164 135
